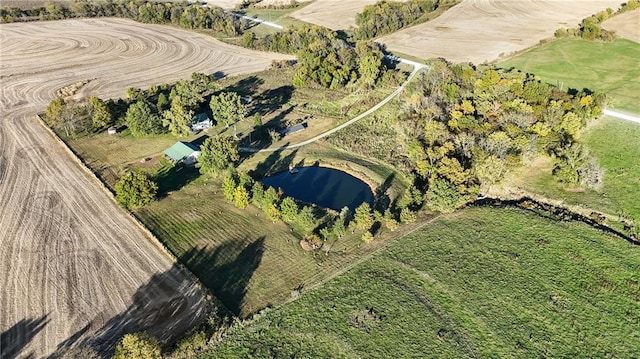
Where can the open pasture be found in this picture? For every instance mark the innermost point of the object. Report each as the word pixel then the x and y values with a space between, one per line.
pixel 483 30
pixel 76 266
pixel 483 282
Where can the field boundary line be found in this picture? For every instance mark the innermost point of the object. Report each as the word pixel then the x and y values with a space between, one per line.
pixel 148 234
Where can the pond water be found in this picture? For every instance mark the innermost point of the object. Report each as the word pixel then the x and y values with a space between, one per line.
pixel 326 187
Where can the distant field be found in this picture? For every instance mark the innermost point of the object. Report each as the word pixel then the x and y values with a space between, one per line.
pixel 482 30
pixel 625 25
pixel 613 68
pixel 334 14
pixel 479 283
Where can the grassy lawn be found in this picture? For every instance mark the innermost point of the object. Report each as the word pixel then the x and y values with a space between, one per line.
pixel 246 260
pixel 480 283
pixel 613 68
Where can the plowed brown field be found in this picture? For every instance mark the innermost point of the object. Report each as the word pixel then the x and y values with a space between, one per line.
pixel 334 14
pixel 625 25
pixel 481 30
pixel 74 267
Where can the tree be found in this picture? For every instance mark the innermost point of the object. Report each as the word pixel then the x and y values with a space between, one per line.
pixel 135 189
pixel 257 192
pixel 228 108
pixel 241 197
pixel 178 118
pixel 137 346
pixel 363 217
pixel 367 237
pixel 442 196
pixel 100 115
pixel 370 62
pixel 229 187
pixel 289 210
pixel 217 154
pixel 269 198
pixel 142 120
pixel 305 219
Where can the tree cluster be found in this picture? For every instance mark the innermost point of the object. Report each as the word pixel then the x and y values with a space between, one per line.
pixel 183 14
pixel 135 189
pixel 385 17
pixel 332 63
pixel 589 27
pixel 168 108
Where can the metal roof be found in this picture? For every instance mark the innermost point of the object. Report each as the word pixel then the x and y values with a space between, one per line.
pixel 180 150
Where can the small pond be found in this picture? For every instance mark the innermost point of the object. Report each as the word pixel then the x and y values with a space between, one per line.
pixel 326 187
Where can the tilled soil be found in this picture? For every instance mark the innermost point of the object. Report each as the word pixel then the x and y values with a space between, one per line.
pixel 75 268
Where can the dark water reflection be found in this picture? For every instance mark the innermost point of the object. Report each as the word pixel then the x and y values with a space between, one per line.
pixel 325 187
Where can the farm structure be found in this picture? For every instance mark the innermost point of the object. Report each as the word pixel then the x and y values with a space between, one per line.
pixel 183 152
pixel 293 129
pixel 201 122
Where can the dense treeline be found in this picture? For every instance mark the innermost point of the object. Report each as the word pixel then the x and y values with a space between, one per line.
pixel 183 14
pixel 462 128
pixel 324 59
pixel 159 109
pixel 590 27
pixel 385 17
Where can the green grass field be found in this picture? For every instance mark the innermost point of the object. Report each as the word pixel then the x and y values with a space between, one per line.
pixel 613 68
pixel 492 283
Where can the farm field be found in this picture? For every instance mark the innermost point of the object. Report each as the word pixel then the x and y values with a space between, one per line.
pixel 334 14
pixel 625 25
pixel 483 282
pixel 612 68
pixel 89 273
pixel 484 30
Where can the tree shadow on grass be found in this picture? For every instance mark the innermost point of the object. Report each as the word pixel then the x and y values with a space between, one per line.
pixel 172 178
pixel 245 87
pixel 227 269
pixel 271 100
pixel 14 339
pixel 165 307
pixel 275 162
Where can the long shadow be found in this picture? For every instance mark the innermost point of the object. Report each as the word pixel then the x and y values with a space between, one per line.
pixel 14 339
pixel 227 269
pixel 245 87
pixel 165 307
pixel 173 178
pixel 274 163
pixel 271 100
pixel 382 199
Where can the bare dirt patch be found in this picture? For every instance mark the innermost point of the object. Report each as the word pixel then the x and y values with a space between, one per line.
pixel 76 268
pixel 482 30
pixel 334 14
pixel 626 25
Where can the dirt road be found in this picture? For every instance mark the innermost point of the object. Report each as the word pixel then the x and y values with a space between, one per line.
pixel 75 268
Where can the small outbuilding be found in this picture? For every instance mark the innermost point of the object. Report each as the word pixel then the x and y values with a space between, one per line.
pixel 183 152
pixel 112 130
pixel 293 129
pixel 201 122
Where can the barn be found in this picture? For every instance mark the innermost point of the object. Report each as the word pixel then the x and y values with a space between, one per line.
pixel 183 152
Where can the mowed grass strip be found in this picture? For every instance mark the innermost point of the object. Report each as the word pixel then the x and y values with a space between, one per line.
pixel 484 282
pixel 609 67
pixel 616 144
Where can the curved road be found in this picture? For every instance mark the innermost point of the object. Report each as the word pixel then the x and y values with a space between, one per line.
pixel 622 116
pixel 395 93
